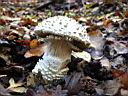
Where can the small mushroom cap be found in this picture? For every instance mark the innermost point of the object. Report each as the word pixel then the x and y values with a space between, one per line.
pixel 63 27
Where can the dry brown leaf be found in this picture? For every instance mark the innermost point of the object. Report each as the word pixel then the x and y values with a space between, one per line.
pixel 126 13
pixel 12 37
pixel 2 22
pixel 105 63
pixel 122 76
pixel 34 43
pixel 29 43
pixel 72 82
pixel 21 30
pixel 108 1
pixel 107 22
pixel 13 84
pixel 27 21
pixel 97 41
pixel 30 92
pixel 117 73
pixel 23 42
pixel 109 88
pixel 50 92
pixel 31 80
pixel 92 27
pixel 82 19
pixel 124 80
pixel 38 51
pixel 124 33
pixel 47 92
pixel 16 87
pixel 95 33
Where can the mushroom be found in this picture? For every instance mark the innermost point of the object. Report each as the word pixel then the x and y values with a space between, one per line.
pixel 59 34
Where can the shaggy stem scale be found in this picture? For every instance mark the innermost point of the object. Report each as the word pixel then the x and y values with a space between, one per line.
pixel 55 59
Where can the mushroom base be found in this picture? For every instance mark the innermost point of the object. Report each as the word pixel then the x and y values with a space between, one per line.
pixel 53 64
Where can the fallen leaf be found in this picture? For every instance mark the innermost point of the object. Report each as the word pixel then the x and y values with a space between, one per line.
pixel 31 80
pixel 23 42
pixel 77 81
pixel 105 63
pixel 83 55
pixel 109 87
pixel 72 82
pixel 16 87
pixel 117 73
pixel 122 76
pixel 120 48
pixel 124 92
pixel 34 43
pixel 94 33
pixel 122 33
pixel 13 84
pixel 126 13
pixel 107 22
pixel 108 1
pixel 81 19
pixel 2 22
pixel 96 39
pixel 124 80
pixel 3 91
pixel 118 63
pixel 30 92
pixel 27 21
pixel 38 51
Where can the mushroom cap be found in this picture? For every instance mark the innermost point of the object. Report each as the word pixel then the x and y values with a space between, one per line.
pixel 63 27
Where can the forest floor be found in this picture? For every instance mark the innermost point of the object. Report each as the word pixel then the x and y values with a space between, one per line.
pixel 103 72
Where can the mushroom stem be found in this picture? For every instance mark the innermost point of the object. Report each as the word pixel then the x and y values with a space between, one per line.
pixel 55 59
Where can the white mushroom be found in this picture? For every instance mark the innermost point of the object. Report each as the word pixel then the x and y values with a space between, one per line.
pixel 58 32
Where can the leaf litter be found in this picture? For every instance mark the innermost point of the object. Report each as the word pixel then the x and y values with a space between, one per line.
pixel 97 71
